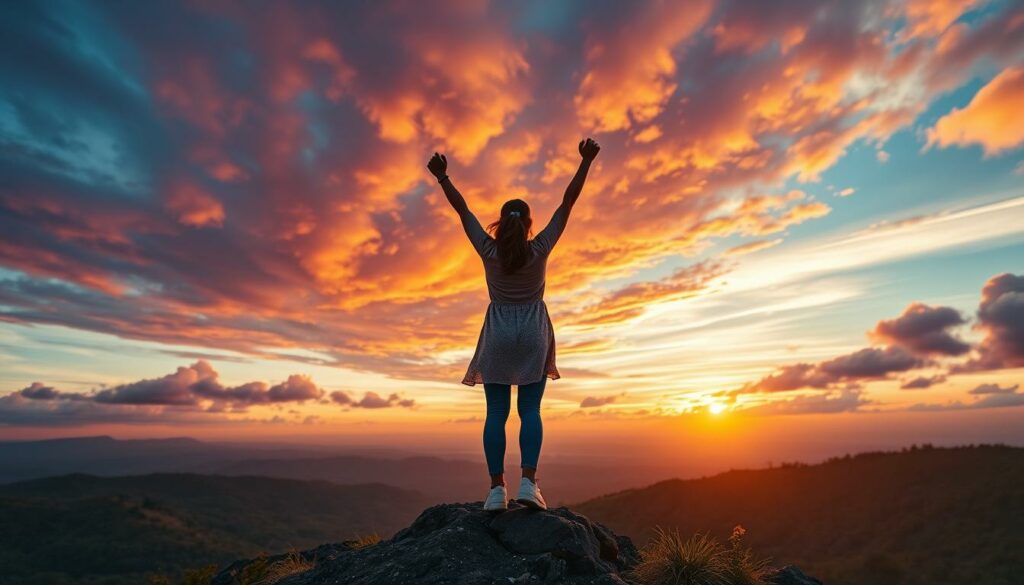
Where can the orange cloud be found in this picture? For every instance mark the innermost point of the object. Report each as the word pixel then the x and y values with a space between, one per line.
pixel 648 134
pixel 628 77
pixel 992 119
pixel 931 17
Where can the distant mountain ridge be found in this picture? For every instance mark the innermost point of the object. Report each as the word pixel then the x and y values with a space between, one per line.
pixel 105 455
pixel 921 516
pixel 443 478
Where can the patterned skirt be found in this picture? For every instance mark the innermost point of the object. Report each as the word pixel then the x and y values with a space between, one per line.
pixel 516 346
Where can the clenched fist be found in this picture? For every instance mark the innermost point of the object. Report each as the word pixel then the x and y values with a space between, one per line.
pixel 438 165
pixel 589 149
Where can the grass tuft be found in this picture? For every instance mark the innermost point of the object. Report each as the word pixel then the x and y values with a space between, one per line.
pixel 271 573
pixel 699 560
pixel 365 540
pixel 670 560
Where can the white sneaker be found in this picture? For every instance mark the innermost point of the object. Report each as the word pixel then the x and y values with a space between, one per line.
pixel 496 499
pixel 529 495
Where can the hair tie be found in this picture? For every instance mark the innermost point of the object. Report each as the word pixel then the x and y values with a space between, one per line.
pixel 514 213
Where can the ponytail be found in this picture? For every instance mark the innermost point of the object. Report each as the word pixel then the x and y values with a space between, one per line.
pixel 510 235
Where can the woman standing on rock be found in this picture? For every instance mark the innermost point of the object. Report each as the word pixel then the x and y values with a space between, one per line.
pixel 517 341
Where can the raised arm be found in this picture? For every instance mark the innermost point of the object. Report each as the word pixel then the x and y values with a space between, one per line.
pixel 588 151
pixel 549 236
pixel 438 166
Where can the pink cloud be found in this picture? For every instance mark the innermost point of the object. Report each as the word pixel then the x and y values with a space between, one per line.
pixel 194 207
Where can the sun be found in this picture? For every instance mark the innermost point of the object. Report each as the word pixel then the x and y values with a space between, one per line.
pixel 716 408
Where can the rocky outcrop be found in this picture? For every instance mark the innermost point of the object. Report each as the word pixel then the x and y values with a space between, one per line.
pixel 461 544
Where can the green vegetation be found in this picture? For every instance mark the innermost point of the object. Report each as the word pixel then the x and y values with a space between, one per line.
pixel 128 530
pixel 920 516
pixel 668 559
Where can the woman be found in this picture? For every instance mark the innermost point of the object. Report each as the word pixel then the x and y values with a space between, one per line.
pixel 517 341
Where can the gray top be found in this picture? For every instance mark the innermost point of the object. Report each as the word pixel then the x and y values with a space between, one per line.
pixel 526 285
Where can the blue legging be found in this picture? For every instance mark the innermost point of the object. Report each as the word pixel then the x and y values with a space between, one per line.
pixel 531 432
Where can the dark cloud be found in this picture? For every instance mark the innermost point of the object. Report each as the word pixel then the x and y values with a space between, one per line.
pixel 594 401
pixel 179 388
pixel 296 388
pixel 923 330
pixel 866 364
pixel 922 382
pixel 341 397
pixel 371 400
pixel 920 333
pixel 40 391
pixel 190 388
pixel 983 389
pixel 1002 400
pixel 870 363
pixel 988 396
pixel 1001 318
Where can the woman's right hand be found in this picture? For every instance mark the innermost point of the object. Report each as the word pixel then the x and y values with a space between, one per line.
pixel 589 149
pixel 438 165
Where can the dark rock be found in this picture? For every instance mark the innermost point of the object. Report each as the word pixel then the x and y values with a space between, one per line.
pixel 462 544
pixel 791 575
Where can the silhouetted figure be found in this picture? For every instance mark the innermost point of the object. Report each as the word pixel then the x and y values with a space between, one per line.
pixel 517 341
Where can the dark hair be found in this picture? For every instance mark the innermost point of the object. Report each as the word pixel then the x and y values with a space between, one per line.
pixel 511 233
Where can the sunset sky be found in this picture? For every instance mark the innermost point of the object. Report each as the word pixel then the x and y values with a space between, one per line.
pixel 806 219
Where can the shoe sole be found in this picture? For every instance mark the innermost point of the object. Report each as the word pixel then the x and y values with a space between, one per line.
pixel 530 504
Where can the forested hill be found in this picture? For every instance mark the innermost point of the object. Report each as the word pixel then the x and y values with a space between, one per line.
pixel 113 530
pixel 919 516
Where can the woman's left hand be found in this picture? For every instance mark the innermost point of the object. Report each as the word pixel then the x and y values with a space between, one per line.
pixel 438 165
